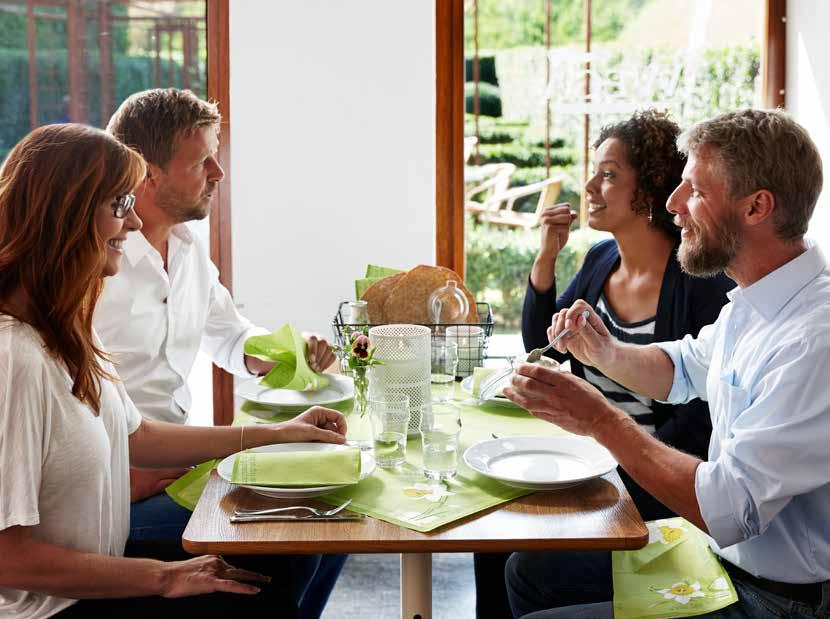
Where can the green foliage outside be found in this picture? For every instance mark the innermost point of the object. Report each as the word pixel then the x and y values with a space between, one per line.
pixel 512 23
pixel 489 99
pixel 131 74
pixel 499 262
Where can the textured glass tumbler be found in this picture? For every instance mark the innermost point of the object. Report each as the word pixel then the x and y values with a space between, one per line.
pixel 390 418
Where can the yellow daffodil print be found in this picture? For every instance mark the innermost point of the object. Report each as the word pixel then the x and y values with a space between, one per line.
pixel 429 492
pixel 665 531
pixel 682 592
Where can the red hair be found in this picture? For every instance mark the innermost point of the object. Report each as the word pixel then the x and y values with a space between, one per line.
pixel 51 185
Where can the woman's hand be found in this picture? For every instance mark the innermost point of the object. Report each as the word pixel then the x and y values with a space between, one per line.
pixel 555 222
pixel 206 575
pixel 588 341
pixel 317 424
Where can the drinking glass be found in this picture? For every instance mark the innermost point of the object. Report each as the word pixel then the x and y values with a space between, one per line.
pixel 389 414
pixel 470 340
pixel 444 368
pixel 440 429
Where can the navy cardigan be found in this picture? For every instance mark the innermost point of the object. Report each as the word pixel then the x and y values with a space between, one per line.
pixel 686 304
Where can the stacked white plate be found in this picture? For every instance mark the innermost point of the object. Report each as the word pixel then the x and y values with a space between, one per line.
pixel 225 470
pixel 339 389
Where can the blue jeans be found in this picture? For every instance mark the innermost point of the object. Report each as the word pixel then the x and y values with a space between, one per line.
pixel 577 585
pixel 158 522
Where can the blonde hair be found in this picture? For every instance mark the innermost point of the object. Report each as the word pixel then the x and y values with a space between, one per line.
pixel 764 149
pixel 152 121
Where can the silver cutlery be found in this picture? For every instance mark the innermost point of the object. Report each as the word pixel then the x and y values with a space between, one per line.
pixel 537 353
pixel 315 513
pixel 294 518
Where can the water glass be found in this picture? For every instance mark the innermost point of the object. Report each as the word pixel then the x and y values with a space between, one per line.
pixel 443 369
pixel 440 430
pixel 389 414
pixel 470 340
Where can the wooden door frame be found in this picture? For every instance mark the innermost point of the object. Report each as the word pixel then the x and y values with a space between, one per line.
pixel 219 90
pixel 449 115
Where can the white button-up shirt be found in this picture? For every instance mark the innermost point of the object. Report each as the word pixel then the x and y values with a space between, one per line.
pixel 763 366
pixel 154 322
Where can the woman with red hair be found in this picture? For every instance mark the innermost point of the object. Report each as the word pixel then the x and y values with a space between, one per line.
pixel 68 429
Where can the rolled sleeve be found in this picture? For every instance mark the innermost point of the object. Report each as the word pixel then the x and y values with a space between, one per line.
pixel 771 453
pixel 691 357
pixel 226 331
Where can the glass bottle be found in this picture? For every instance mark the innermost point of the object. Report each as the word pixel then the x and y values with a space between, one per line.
pixel 448 305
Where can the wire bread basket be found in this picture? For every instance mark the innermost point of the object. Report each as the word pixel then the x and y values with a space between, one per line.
pixel 472 349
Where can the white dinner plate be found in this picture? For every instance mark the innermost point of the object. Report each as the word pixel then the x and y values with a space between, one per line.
pixel 225 470
pixel 540 463
pixel 340 388
pixel 467 387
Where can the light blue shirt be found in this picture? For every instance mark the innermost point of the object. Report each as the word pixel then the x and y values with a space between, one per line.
pixel 764 367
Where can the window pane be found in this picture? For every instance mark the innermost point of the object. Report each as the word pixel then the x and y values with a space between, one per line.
pixel 76 61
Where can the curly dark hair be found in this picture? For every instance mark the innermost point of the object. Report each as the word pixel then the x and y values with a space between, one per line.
pixel 651 139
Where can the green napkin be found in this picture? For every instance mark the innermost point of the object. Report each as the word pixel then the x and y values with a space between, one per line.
pixel 675 575
pixel 479 376
pixel 288 348
pixel 187 489
pixel 297 468
pixel 374 273
pixel 373 270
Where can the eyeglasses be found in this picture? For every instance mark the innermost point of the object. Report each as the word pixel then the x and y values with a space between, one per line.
pixel 122 205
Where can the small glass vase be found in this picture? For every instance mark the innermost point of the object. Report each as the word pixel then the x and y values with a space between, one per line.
pixel 359 431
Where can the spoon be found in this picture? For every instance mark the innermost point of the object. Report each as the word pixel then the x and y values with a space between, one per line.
pixel 537 353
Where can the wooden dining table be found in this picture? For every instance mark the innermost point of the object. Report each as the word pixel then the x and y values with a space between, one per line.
pixel 597 515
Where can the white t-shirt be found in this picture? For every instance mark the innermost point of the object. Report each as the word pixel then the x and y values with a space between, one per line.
pixel 153 321
pixel 63 471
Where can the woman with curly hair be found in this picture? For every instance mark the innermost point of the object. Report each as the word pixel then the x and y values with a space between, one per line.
pixel 634 282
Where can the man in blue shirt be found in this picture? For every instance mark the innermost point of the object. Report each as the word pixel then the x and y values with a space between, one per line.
pixel 748 191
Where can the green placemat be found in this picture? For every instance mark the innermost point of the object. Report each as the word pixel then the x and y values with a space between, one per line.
pixel 187 489
pixel 675 575
pixel 403 496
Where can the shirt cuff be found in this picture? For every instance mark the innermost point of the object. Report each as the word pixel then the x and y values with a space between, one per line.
pixel 238 367
pixel 679 385
pixel 717 505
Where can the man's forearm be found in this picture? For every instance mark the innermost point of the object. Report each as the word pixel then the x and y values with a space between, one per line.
pixel 646 370
pixel 664 472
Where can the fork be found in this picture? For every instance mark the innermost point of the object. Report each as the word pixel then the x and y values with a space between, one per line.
pixel 276 510
pixel 537 353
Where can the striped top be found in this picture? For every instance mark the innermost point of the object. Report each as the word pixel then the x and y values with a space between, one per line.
pixel 640 333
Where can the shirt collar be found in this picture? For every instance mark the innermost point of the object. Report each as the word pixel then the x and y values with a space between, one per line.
pixel 137 246
pixel 772 292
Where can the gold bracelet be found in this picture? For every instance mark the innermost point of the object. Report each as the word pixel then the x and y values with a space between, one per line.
pixel 241 436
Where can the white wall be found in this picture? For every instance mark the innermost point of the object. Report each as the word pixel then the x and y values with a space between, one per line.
pixel 808 91
pixel 333 151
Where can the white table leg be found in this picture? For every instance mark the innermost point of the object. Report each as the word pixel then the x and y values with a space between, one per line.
pixel 416 585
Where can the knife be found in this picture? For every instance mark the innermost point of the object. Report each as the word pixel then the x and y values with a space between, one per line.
pixel 272 517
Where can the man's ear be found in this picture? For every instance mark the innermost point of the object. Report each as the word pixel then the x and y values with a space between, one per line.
pixel 153 173
pixel 759 207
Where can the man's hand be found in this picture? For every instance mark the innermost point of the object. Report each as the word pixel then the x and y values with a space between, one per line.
pixel 320 354
pixel 206 575
pixel 589 341
pixel 317 424
pixel 560 398
pixel 320 357
pixel 555 223
pixel 145 483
